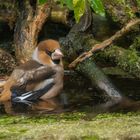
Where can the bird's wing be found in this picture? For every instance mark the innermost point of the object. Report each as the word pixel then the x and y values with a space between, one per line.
pixel 38 74
pixel 44 72
pixel 29 97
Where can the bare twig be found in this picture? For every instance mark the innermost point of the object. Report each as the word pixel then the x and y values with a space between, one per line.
pixel 105 43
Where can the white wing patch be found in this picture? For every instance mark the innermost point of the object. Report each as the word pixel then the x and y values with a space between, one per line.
pixel 44 83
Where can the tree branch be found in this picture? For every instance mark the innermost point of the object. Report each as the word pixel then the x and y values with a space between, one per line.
pixel 105 43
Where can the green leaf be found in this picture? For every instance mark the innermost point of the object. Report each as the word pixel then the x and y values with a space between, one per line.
pixel 79 8
pixel 97 6
pixel 68 3
pixel 42 1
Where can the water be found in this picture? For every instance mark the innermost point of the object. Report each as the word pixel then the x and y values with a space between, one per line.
pixel 78 94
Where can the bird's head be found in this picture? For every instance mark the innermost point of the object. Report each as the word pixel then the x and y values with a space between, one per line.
pixel 48 52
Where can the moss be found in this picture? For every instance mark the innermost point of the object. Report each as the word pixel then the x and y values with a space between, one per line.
pixel 119 10
pixel 7 120
pixel 136 44
pixel 103 126
pixel 128 60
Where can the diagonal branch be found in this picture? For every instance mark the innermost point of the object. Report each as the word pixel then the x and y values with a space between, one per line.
pixel 105 43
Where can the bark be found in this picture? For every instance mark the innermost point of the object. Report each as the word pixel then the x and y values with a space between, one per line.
pixel 28 25
pixel 106 42
pixel 98 79
pixel 76 43
pixel 7 62
pixel 127 59
pixel 29 21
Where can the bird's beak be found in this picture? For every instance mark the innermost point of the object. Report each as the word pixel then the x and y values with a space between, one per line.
pixel 57 54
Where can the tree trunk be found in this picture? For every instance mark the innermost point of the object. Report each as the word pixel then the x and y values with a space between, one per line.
pixel 28 21
pixel 28 26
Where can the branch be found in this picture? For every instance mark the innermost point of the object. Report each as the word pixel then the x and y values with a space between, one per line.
pixel 105 43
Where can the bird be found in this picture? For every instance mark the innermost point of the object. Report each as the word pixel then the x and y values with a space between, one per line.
pixel 41 77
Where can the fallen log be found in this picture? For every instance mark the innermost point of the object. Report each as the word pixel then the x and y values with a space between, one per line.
pixel 73 44
pixel 128 60
pixel 105 43
pixel 77 42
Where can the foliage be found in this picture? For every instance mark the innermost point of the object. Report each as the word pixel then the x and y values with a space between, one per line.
pixel 98 7
pixel 68 3
pixel 42 1
pixel 78 6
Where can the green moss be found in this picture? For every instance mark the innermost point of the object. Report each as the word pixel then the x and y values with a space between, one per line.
pixel 128 60
pixel 103 126
pixel 119 10
pixel 129 12
pixel 136 43
pixel 6 120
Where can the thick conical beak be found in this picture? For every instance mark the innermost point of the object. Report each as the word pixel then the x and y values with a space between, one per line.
pixel 57 54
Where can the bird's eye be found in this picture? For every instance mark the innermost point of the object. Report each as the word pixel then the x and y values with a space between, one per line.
pixel 48 52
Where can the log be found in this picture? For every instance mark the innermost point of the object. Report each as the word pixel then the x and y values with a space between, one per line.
pixel 127 59
pixel 98 79
pixel 105 43
pixel 76 43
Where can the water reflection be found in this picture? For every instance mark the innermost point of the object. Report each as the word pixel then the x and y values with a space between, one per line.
pixel 79 95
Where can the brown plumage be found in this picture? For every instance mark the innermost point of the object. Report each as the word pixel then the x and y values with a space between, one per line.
pixel 46 60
